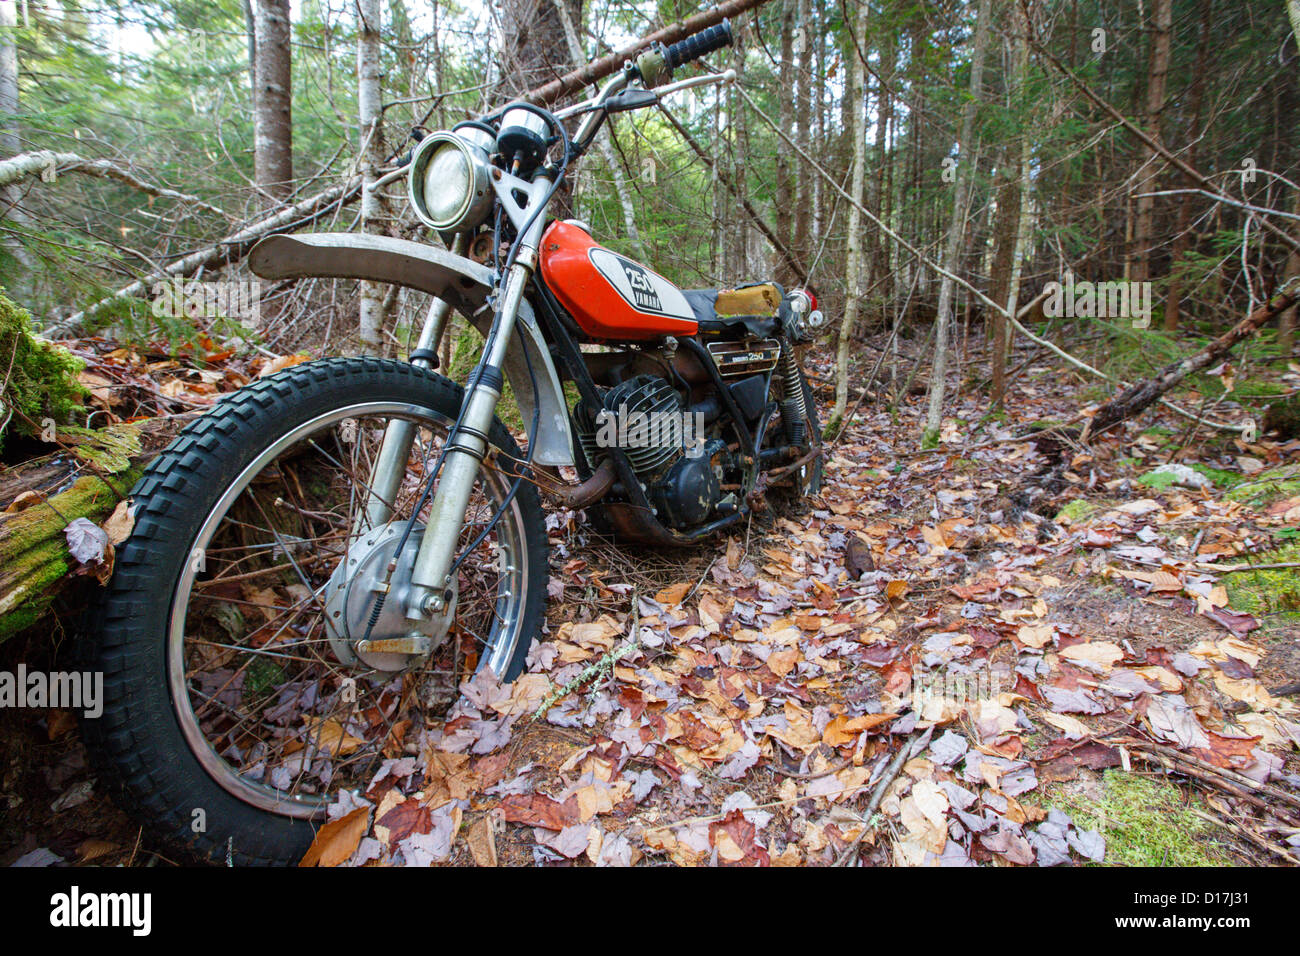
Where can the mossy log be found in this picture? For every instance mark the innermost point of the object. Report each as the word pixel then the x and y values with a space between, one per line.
pixel 34 558
pixel 35 565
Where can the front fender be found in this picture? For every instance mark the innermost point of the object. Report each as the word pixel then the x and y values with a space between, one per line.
pixel 463 283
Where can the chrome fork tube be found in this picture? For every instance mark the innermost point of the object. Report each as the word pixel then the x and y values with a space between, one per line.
pixel 430 575
pixel 390 466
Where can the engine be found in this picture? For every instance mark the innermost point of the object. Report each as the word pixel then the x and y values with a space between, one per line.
pixel 680 467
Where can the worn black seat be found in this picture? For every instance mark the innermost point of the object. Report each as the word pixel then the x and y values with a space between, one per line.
pixel 704 303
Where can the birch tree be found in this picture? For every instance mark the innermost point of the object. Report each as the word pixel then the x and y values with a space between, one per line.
pixel 370 117
pixel 853 254
pixel 10 143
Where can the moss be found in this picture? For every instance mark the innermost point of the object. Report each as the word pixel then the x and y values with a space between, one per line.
pixel 263 674
pixel 1146 822
pixel 1274 591
pixel 109 449
pixel 1080 509
pixel 1221 479
pixel 1263 489
pixel 40 379
pixel 1158 480
pixel 34 552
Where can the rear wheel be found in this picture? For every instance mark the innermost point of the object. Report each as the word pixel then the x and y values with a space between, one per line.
pixel 236 703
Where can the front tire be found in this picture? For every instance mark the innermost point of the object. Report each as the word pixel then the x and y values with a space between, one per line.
pixel 178 740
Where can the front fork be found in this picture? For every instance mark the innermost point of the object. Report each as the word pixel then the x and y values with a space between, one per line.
pixel 431 585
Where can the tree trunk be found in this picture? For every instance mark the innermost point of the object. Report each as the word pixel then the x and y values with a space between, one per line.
pixel 785 119
pixel 272 101
pixel 853 271
pixel 1011 230
pixel 370 121
pixel 534 49
pixel 1174 300
pixel 1144 217
pixel 803 120
pixel 952 250
pixel 10 142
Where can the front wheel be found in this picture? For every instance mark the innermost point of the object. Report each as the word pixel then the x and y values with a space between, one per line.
pixel 237 702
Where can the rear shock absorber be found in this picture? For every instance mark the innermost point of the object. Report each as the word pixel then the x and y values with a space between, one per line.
pixel 794 413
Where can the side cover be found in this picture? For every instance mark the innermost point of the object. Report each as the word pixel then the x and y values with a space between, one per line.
pixel 609 296
pixel 463 283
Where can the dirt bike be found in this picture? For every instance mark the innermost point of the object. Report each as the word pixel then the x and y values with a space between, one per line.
pixel 319 561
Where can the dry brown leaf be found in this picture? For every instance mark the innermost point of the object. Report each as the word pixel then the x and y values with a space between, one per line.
pixel 338 839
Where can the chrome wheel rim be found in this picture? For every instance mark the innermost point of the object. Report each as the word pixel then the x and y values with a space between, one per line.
pixel 328 734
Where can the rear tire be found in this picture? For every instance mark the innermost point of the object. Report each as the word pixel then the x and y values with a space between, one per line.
pixel 138 744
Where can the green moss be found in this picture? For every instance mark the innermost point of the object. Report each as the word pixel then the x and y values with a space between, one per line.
pixel 1221 479
pixel 1158 480
pixel 40 379
pixel 1146 822
pixel 1080 509
pixel 1274 591
pixel 1263 489
pixel 263 674
pixel 109 449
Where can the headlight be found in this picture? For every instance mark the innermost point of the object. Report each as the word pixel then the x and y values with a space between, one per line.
pixel 449 184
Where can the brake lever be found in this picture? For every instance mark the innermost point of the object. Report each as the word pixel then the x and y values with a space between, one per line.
pixel 706 79
pixel 631 99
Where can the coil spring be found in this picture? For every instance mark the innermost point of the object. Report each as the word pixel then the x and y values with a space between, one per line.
pixel 794 412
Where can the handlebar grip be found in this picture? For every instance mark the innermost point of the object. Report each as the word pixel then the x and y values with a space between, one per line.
pixel 701 44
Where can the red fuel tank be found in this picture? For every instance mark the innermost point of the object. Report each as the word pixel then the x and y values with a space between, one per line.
pixel 609 296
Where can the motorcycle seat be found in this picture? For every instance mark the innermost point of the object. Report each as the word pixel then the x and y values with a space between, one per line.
pixel 756 310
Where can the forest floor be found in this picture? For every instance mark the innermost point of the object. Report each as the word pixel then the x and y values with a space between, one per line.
pixel 1008 650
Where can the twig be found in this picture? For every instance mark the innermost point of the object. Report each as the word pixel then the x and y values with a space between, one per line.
pixel 1242 831
pixel 877 795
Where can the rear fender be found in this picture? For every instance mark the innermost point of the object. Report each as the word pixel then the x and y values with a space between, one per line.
pixel 463 283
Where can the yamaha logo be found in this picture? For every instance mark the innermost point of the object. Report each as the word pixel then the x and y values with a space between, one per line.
pixel 643 292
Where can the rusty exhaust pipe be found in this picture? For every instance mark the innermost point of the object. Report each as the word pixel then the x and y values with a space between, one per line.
pixel 577 497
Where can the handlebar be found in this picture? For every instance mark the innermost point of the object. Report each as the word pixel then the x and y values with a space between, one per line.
pixel 701 44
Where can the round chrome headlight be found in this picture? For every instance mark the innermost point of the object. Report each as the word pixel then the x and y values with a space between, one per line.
pixel 448 183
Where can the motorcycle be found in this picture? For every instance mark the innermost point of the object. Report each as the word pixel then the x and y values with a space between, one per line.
pixel 319 562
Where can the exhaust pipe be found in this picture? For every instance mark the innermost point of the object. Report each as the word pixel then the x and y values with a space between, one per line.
pixel 590 491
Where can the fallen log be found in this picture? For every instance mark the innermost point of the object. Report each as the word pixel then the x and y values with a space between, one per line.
pixel 40 499
pixel 603 66
pixel 1133 399
pixel 48 164
pixel 224 252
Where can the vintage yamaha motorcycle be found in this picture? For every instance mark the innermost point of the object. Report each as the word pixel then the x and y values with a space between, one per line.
pixel 319 562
